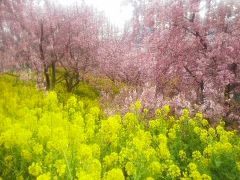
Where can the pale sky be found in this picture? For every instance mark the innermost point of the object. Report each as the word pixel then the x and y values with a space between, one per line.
pixel 117 13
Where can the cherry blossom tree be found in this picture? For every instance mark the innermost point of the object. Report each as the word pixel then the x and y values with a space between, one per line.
pixel 80 39
pixel 194 44
pixel 45 35
pixel 11 15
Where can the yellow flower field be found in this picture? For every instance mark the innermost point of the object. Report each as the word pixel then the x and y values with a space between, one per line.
pixel 43 137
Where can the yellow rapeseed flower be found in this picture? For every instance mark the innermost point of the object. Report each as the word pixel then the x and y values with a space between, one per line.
pixel 26 155
pixel 130 168
pixel 60 165
pixel 46 176
pixel 182 154
pixel 174 171
pixel 196 155
pixel 114 174
pixel 38 149
pixel 155 168
pixel 35 169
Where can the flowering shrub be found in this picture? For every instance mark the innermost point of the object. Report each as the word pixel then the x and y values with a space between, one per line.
pixel 213 108
pixel 43 138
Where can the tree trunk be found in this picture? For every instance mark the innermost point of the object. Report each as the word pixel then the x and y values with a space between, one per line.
pixel 227 91
pixel 45 66
pixel 53 74
pixel 200 98
pixel 159 86
pixel 47 77
pixel 72 80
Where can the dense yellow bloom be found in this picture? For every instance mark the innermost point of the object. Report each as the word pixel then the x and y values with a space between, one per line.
pixel 193 172
pixel 196 155
pixel 204 136
pixel 150 178
pixel 26 154
pixel 185 113
pixel 111 159
pixel 90 126
pixel 48 158
pixel 16 135
pixel 176 127
pixel 130 168
pixel 76 134
pixel 154 124
pixel 91 170
pixel 224 138
pixel 206 177
pixel 192 167
pixel 96 151
pixel 199 116
pixel 78 120
pixel 44 131
pixel 204 122
pixel 126 154
pixel 163 152
pixel 72 102
pixel 142 140
pixel 45 176
pixel 155 168
pixel 110 129
pixel 38 149
pixel 192 122
pixel 82 175
pixel 195 175
pixel 35 169
pixel 207 152
pixel 166 108
pixel 51 101
pixel 130 121
pixel 172 134
pixel 149 153
pixel 174 171
pixel 8 161
pixel 84 152
pixel 162 139
pixel 212 132
pixel 114 174
pixel 95 169
pixel 197 130
pixel 60 165
pixel 220 130
pixel 182 155
pixel 69 138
